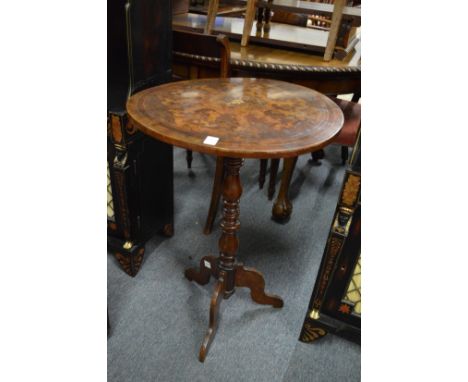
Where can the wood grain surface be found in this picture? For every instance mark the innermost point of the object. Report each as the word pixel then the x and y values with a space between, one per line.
pixel 252 118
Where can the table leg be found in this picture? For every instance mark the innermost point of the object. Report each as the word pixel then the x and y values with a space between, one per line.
pixel 253 279
pixel 213 326
pixel 282 208
pixel 224 268
pixel 215 195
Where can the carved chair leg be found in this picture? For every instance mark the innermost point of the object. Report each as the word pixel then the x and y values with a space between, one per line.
pixel 213 325
pixel 261 176
pixel 273 172
pixel 267 18
pixel 215 195
pixel 189 158
pixel 208 268
pixel 282 208
pixel 344 154
pixel 253 279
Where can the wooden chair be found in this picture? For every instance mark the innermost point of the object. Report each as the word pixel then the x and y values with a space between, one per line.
pixel 337 14
pixel 346 138
pixel 208 47
pixel 348 134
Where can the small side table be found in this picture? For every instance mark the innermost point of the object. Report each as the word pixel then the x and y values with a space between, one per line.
pixel 235 118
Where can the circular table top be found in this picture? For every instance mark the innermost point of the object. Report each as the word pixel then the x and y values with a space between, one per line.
pixel 237 117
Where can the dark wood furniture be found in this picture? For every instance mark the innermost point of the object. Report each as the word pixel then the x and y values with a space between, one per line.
pixel 334 77
pixel 348 134
pixel 335 305
pixel 235 118
pixel 284 63
pixel 139 169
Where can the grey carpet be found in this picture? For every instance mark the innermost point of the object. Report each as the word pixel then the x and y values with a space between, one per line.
pixel 159 318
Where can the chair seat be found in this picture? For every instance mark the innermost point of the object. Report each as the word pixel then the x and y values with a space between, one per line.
pixel 352 122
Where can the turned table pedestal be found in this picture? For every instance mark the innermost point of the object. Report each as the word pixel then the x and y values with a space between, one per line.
pixel 235 118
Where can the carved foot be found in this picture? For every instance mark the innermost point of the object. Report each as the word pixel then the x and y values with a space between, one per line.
pixel 213 325
pixel 253 279
pixel 282 210
pixel 130 258
pixel 311 332
pixel 208 268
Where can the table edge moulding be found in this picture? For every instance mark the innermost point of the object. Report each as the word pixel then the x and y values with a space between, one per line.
pixel 152 127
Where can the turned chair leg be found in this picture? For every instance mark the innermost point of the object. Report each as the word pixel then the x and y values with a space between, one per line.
pixel 273 173
pixel 215 195
pixel 260 12
pixel 261 176
pixel 267 18
pixel 317 155
pixel 344 154
pixel 189 158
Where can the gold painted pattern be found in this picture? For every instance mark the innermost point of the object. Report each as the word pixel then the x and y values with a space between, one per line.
pixel 110 202
pixel 311 333
pixel 351 190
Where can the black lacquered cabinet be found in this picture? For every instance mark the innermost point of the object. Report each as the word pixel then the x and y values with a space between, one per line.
pixel 139 169
pixel 335 305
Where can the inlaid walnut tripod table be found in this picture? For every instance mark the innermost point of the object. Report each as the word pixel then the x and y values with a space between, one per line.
pixel 235 118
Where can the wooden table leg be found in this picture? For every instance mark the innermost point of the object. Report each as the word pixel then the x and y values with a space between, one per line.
pixel 215 195
pixel 282 208
pixel 224 268
pixel 253 279
pixel 248 22
pixel 213 326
